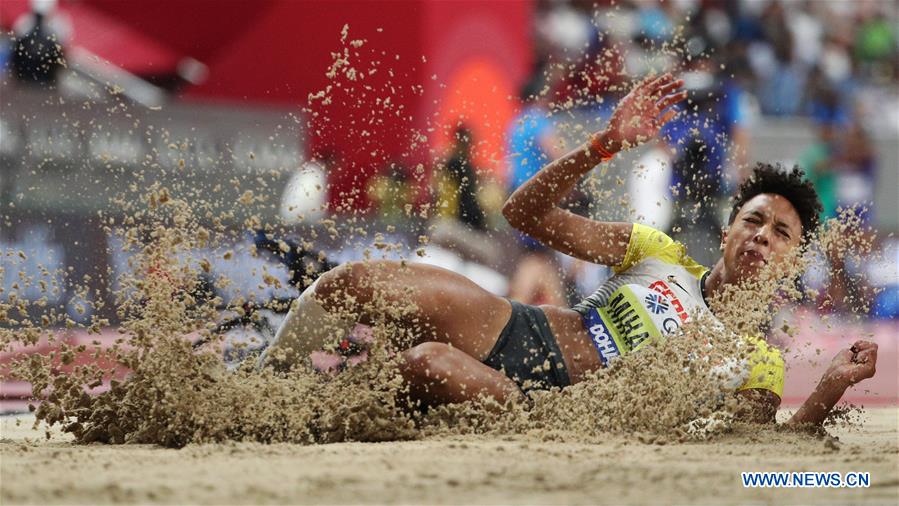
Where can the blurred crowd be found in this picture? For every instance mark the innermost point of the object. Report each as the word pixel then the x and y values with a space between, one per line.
pixel 796 57
pixel 834 63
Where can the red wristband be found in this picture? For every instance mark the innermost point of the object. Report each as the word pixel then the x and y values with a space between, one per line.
pixel 596 145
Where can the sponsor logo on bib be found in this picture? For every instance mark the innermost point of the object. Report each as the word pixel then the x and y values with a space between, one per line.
pixel 602 338
pixel 656 303
pixel 668 293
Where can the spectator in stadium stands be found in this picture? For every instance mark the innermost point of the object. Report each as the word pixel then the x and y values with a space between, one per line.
pixel 884 274
pixel 876 46
pixel 458 189
pixel 6 49
pixel 702 140
pixel 37 55
pixel 461 222
pixel 816 160
pixel 782 83
pixel 393 193
pixel 533 142
pixel 841 165
pixel 532 138
pixel 856 170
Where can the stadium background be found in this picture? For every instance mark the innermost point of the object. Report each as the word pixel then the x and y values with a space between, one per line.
pixel 234 84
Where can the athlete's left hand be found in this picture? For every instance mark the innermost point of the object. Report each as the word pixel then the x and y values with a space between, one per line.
pixel 853 365
pixel 642 113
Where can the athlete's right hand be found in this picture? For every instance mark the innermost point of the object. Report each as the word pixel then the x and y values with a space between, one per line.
pixel 642 113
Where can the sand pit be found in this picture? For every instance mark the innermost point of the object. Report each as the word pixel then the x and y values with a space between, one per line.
pixel 458 470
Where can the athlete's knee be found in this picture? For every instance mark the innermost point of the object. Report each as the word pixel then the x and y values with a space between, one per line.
pixel 429 360
pixel 352 280
pixel 340 281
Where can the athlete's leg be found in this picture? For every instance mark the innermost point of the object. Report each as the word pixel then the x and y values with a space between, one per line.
pixel 439 374
pixel 436 304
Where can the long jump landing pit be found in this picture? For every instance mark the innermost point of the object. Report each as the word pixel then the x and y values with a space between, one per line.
pixel 459 470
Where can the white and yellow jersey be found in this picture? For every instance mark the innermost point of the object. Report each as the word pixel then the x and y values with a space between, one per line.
pixel 654 291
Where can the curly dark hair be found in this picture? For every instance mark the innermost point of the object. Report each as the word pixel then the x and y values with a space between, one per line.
pixel 791 185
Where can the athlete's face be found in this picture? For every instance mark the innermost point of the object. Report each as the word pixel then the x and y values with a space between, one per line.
pixel 765 229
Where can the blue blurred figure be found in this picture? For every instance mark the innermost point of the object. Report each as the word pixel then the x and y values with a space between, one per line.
pixel 532 141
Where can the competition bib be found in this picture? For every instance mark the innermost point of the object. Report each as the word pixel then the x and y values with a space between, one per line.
pixel 633 316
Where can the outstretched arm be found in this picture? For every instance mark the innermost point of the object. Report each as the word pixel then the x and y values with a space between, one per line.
pixel 848 368
pixel 534 207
